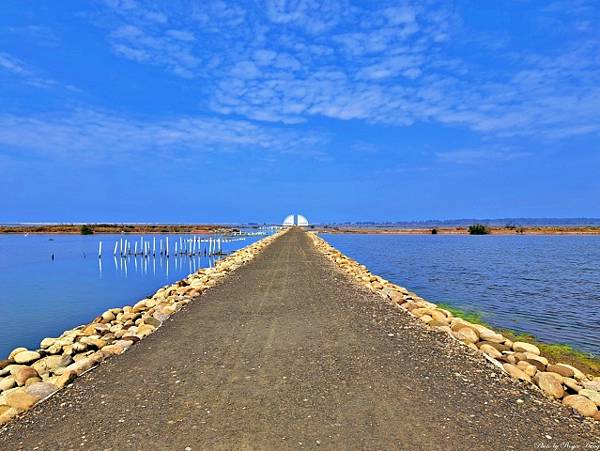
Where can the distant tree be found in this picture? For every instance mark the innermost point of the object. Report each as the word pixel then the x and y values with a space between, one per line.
pixel 434 231
pixel 86 230
pixel 479 229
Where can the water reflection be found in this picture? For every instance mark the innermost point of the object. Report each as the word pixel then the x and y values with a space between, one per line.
pixel 151 266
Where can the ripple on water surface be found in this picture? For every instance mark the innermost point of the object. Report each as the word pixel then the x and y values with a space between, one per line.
pixel 546 285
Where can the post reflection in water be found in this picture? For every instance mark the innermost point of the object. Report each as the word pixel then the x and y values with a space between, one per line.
pixel 199 253
pixel 183 264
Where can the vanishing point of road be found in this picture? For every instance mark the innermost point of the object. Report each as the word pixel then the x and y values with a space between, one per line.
pixel 288 353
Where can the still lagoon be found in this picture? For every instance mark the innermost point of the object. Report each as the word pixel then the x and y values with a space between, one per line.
pixel 41 297
pixel 545 285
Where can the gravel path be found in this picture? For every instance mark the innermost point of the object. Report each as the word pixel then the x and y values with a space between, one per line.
pixel 288 353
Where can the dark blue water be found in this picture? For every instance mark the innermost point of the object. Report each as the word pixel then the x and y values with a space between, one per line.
pixel 548 286
pixel 42 298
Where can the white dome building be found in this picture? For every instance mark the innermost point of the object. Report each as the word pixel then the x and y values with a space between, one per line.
pixel 301 221
pixel 288 221
pixel 297 220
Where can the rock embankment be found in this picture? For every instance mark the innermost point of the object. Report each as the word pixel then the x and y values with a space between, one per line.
pixel 28 377
pixel 522 361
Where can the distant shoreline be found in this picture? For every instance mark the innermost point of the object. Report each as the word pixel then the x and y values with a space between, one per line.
pixel 566 230
pixel 75 229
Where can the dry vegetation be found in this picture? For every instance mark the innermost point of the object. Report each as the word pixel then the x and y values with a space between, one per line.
pixel 118 228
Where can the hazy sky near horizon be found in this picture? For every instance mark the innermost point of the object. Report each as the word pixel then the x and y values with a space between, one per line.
pixel 194 111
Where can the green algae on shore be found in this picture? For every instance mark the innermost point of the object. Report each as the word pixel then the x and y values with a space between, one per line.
pixel 586 362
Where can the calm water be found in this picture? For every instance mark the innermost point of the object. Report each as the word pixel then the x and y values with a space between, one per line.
pixel 42 298
pixel 545 285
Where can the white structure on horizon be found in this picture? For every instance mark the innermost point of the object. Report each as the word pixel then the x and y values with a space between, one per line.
pixel 297 220
pixel 288 221
pixel 301 221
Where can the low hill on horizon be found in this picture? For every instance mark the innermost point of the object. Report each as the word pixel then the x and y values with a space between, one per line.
pixel 465 222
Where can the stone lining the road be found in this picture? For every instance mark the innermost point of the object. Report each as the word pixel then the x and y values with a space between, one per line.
pixel 29 377
pixel 522 361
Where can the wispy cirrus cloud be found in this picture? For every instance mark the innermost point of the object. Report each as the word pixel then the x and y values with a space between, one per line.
pixel 169 50
pixel 41 35
pixel 381 63
pixel 14 67
pixel 474 156
pixel 93 135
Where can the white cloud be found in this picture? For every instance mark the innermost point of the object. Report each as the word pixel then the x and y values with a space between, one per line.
pixel 397 65
pixel 168 49
pixel 479 156
pixel 17 68
pixel 92 135
pixel 182 35
pixel 40 35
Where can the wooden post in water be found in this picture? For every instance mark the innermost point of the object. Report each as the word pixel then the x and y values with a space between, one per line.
pixel 100 249
pixel 115 250
pixel 167 247
pixel 154 246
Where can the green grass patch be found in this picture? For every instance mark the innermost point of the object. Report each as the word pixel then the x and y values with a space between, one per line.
pixel 479 229
pixel 555 352
pixel 559 352
pixel 470 316
pixel 86 230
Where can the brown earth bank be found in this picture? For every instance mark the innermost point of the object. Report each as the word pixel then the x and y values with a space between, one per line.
pixel 119 228
pixel 289 353
pixel 464 230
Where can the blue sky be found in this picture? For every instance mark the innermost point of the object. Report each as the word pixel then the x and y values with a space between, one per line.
pixel 189 111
